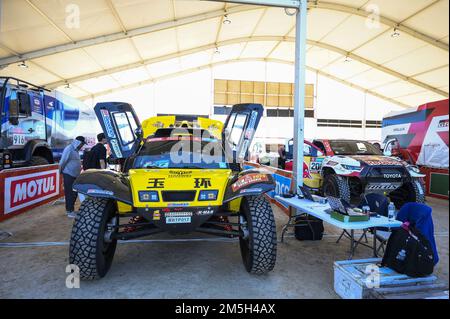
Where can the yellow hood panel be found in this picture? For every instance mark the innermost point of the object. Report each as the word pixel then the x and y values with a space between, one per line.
pixel 172 179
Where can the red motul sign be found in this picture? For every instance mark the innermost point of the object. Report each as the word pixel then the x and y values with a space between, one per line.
pixel 28 187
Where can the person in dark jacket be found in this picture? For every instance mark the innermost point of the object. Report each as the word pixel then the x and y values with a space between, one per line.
pixel 97 156
pixel 70 168
pixel 282 157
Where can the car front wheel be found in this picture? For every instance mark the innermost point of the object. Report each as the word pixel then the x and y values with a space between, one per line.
pixel 259 241
pixel 90 249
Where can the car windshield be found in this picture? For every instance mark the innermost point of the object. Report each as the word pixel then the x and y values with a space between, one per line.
pixel 184 153
pixel 353 148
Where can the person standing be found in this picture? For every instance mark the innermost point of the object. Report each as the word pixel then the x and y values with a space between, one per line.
pixel 70 168
pixel 282 157
pixel 97 154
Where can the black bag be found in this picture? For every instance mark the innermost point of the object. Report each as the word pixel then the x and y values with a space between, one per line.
pixel 308 228
pixel 87 159
pixel 409 252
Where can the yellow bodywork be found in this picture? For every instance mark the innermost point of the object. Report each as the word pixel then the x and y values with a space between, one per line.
pixel 171 179
pixel 152 124
pixel 311 176
pixel 213 126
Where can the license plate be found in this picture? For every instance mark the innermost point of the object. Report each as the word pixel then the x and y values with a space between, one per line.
pixel 178 220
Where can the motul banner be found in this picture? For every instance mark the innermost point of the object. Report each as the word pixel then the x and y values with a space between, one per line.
pixel 26 188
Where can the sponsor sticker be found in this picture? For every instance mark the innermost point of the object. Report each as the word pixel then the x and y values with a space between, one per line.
pixel 177 204
pixel 202 182
pixel 387 176
pixel 382 186
pixel 250 190
pixel 244 148
pixel 179 174
pixel 247 180
pixel 443 123
pixel 205 212
pixel 99 192
pixel 156 215
pixel 116 148
pixel 108 124
pixel 155 183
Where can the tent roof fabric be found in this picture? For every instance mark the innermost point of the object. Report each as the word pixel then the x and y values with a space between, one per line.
pixel 396 50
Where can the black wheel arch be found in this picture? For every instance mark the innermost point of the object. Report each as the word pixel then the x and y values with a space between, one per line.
pixel 38 148
pixel 102 183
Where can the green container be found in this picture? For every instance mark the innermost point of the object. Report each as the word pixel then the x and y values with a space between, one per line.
pixel 349 219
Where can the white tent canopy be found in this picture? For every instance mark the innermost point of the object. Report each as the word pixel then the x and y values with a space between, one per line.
pixel 396 50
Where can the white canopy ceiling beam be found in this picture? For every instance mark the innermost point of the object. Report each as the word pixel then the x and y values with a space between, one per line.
pixel 252 39
pixel 120 35
pixel 377 67
pixel 195 69
pixel 219 30
pixel 50 21
pixel 116 15
pixel 200 17
pixel 164 58
pixel 384 20
pixel 253 31
pixel 270 3
pixel 384 32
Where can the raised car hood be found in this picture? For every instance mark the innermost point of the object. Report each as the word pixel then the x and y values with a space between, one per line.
pixel 373 160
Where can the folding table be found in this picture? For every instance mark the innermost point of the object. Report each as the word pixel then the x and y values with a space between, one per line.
pixel 320 211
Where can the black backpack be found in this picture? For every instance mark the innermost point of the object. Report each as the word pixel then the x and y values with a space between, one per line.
pixel 88 159
pixel 308 228
pixel 409 252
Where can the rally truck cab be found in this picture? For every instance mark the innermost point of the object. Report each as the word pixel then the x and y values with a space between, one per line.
pixel 351 168
pixel 37 124
pixel 176 178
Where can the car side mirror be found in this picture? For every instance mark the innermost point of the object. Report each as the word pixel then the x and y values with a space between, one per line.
pixel 14 112
pixel 139 132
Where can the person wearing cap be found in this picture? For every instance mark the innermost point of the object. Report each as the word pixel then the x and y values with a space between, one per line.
pixel 70 168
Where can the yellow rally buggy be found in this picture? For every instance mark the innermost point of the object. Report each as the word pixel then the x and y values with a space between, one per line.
pixel 176 178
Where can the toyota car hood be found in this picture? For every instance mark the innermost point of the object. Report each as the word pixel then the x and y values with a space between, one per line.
pixel 373 160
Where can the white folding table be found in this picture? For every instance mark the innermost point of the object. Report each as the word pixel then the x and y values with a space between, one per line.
pixel 320 211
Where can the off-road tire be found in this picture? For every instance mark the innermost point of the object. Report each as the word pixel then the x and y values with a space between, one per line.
pixel 259 250
pixel 409 192
pixel 37 160
pixel 339 186
pixel 88 249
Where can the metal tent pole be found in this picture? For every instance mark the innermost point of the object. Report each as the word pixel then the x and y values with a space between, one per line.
pixel 299 93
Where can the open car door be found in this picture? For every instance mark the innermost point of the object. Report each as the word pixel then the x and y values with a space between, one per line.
pixel 119 123
pixel 240 128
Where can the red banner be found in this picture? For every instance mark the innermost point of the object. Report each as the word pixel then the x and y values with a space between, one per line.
pixel 28 187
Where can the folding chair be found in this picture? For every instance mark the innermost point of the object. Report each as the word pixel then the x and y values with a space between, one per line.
pixel 378 204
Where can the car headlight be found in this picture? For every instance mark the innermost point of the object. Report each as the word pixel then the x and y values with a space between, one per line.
pixel 414 168
pixel 148 196
pixel 351 167
pixel 208 195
